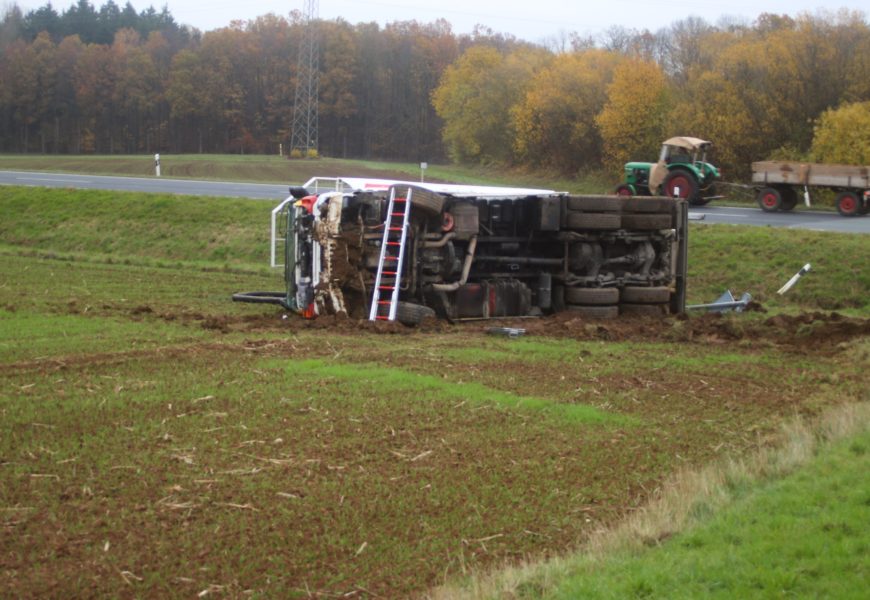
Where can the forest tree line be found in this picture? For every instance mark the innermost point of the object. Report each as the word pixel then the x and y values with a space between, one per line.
pixel 111 80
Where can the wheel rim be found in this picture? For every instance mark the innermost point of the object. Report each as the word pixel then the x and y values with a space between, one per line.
pixel 679 182
pixel 623 191
pixel 769 200
pixel 848 204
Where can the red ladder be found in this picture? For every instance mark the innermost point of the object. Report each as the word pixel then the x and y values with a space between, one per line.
pixel 391 260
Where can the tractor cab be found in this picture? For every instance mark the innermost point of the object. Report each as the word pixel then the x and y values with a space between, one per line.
pixel 681 171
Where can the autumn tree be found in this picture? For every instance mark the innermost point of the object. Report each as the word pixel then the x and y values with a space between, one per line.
pixel 475 97
pixel 842 135
pixel 555 120
pixel 635 118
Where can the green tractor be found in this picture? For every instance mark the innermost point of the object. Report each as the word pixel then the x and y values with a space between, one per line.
pixel 682 171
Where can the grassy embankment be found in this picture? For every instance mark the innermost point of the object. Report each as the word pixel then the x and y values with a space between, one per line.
pixel 158 439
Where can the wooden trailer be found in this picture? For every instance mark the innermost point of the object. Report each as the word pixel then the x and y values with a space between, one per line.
pixel 778 183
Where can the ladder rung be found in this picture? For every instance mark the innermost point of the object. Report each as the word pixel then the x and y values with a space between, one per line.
pixel 382 317
pixel 386 287
pixel 385 302
pixel 398 214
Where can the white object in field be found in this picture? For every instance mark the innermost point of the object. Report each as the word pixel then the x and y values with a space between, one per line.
pixel 157 164
pixel 807 196
pixel 790 283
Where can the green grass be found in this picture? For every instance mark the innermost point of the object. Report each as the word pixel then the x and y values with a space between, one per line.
pixel 803 536
pixel 157 439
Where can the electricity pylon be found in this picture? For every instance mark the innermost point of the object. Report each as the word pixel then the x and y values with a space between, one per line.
pixel 304 130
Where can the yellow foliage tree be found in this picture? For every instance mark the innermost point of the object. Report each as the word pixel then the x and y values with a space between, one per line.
pixel 635 118
pixel 474 98
pixel 842 135
pixel 555 122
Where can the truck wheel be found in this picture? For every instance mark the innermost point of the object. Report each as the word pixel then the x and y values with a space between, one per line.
pixel 577 220
pixel 848 204
pixel 647 205
pixel 425 201
pixel 595 312
pixel 645 310
pixel 408 313
pixel 769 199
pixel 645 295
pixel 595 296
pixel 682 184
pixel 594 203
pixel 646 221
pixel 623 190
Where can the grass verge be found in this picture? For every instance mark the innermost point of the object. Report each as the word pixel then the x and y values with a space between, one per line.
pixel 789 520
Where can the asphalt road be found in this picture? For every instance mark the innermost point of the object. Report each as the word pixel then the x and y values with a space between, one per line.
pixel 799 219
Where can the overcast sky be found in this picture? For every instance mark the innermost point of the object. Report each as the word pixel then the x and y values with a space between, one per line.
pixel 532 20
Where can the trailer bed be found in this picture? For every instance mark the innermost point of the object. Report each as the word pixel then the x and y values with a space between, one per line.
pixel 811 174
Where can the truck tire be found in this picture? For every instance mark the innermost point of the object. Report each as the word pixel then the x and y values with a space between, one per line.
pixel 408 313
pixel 647 205
pixel 593 296
pixel 424 201
pixel 769 199
pixel 644 310
pixel 653 221
pixel 645 295
pixel 685 182
pixel 595 312
pixel 594 203
pixel 848 204
pixel 577 220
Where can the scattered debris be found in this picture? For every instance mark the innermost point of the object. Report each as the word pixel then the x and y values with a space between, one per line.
pixel 510 332
pixel 724 303
pixel 791 282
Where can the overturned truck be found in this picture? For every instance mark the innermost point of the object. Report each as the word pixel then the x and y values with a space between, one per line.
pixel 393 250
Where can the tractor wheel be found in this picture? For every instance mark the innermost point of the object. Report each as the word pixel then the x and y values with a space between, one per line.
pixel 645 295
pixel 594 203
pixel 408 313
pixel 769 199
pixel 595 312
pixel 623 189
pixel 681 184
pixel 654 221
pixel 848 204
pixel 599 221
pixel 594 296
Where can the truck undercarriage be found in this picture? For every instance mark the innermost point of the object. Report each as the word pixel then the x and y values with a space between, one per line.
pixel 478 252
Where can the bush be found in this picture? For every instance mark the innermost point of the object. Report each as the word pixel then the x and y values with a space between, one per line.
pixel 842 135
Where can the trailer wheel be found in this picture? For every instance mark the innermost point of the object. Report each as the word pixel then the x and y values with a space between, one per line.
pixel 848 204
pixel 595 312
pixel 408 313
pixel 769 199
pixel 645 295
pixel 644 310
pixel 577 220
pixel 594 296
pixel 789 198
pixel 682 184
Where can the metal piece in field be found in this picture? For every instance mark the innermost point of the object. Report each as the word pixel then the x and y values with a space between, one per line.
pixel 510 332
pixel 795 278
pixel 725 303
